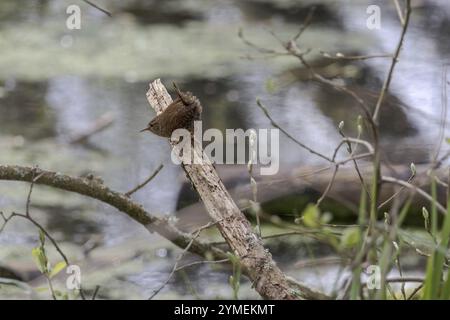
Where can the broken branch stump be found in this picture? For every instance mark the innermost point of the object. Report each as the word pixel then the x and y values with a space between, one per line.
pixel 269 281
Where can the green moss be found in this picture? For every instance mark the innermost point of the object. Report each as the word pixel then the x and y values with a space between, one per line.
pixel 120 47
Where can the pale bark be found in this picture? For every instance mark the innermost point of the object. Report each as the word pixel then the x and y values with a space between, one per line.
pixel 267 278
pixel 93 188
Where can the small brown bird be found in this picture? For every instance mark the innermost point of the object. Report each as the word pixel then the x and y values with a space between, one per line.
pixel 181 113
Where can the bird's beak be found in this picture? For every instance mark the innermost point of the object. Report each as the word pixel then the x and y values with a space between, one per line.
pixel 176 88
pixel 145 129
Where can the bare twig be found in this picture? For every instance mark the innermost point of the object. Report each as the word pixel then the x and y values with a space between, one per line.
pixel 443 123
pixel 5 220
pixel 410 179
pixel 403 280
pixel 254 187
pixel 290 233
pixel 440 182
pixel 41 228
pixel 328 188
pixel 441 160
pixel 415 291
pixel 30 191
pixel 416 189
pixel 98 8
pixel 287 134
pixel 352 151
pixel 347 140
pixel 180 256
pixel 332 159
pixel 143 184
pixel 293 50
pixel 399 12
pixel 50 285
pixel 340 56
pixel 387 82
pixel 196 263
pixel 94 295
pixel 264 51
pixel 306 23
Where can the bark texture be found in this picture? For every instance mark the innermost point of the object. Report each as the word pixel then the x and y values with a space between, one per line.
pixel 95 189
pixel 269 281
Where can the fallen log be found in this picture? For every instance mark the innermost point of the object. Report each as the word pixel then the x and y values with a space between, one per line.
pixel 308 182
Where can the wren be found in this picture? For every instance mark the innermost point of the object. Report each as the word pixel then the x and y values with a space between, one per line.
pixel 180 114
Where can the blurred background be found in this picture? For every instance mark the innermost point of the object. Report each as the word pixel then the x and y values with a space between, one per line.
pixel 57 84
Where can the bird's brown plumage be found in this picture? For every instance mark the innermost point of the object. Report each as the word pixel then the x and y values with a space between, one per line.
pixel 181 113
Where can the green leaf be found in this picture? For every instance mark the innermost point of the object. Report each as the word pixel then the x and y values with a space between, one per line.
pixel 351 237
pixel 41 289
pixel 271 86
pixel 234 280
pixel 426 218
pixel 40 259
pixel 311 216
pixel 413 168
pixel 58 268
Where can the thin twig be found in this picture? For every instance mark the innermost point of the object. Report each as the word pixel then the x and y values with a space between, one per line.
pixel 293 50
pixel 336 168
pixel 290 233
pixel 30 191
pixel 180 256
pixel 328 188
pixel 340 56
pixel 417 189
pixel 402 280
pixel 195 263
pixel 5 220
pixel 256 47
pixel 347 140
pixel 440 182
pixel 306 23
pixel 410 179
pixel 415 291
pixel 50 285
pixel 387 82
pixel 352 151
pixel 140 186
pixel 40 227
pixel 442 160
pixel 301 144
pixel 94 295
pixel 444 109
pixel 399 12
pixel 254 189
pixel 98 8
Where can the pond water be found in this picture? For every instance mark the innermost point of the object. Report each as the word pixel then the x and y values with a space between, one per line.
pixel 55 83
